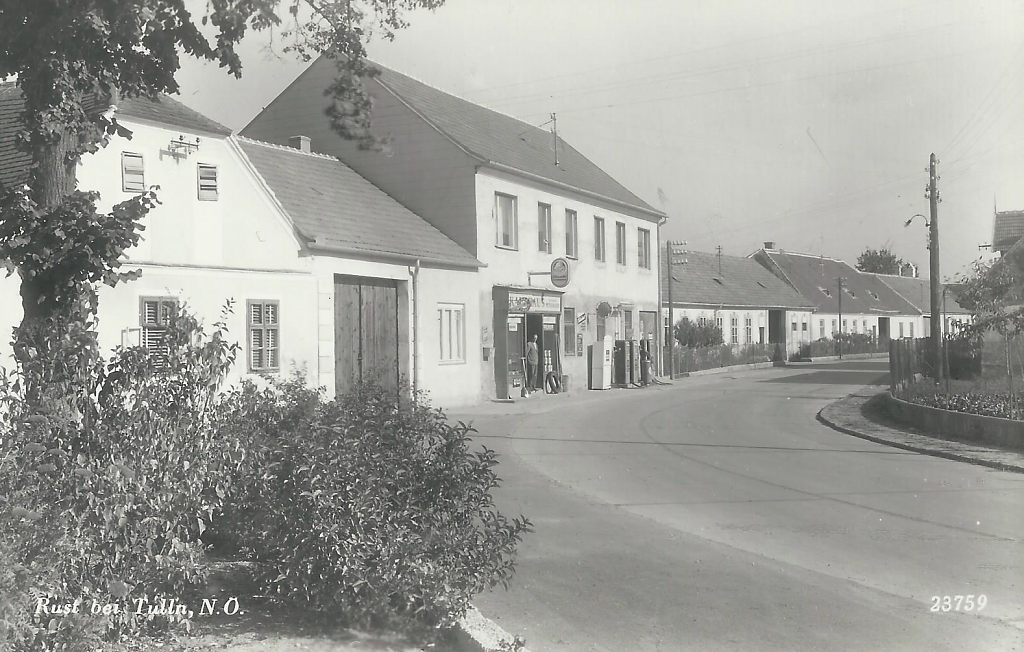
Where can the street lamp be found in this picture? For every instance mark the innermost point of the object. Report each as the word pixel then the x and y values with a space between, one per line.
pixel 926 222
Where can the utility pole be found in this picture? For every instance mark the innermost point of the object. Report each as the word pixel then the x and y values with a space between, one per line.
pixel 840 280
pixel 719 260
pixel 936 290
pixel 669 262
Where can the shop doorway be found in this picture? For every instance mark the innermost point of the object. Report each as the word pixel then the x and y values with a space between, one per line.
pixel 535 326
pixel 883 329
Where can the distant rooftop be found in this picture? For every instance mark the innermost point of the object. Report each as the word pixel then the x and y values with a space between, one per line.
pixel 1007 229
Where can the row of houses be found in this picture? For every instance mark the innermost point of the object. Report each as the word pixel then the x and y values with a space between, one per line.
pixel 774 296
pixel 430 266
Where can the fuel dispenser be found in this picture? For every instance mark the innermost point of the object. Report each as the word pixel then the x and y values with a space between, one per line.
pixel 620 364
pixel 600 364
pixel 634 362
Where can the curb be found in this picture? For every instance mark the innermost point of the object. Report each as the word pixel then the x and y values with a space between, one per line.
pixel 916 449
pixel 477 633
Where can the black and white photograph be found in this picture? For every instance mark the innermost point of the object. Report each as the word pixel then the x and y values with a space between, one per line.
pixel 511 325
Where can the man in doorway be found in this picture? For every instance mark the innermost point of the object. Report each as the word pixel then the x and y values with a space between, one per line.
pixel 532 358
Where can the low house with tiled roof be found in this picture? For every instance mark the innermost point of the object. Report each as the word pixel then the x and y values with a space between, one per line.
pixel 328 274
pixel 734 293
pixel 844 299
pixel 517 198
pixel 917 292
pixel 1007 230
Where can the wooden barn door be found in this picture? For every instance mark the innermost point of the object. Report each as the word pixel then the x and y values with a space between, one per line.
pixel 366 332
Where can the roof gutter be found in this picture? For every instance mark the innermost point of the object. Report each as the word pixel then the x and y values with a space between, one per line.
pixel 559 184
pixel 317 244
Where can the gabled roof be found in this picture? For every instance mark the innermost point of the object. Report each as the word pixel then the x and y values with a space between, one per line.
pixel 815 278
pixel 917 291
pixel 165 110
pixel 1007 229
pixel 496 138
pixel 742 282
pixel 331 205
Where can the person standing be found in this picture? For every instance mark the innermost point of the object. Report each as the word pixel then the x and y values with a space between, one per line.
pixel 532 359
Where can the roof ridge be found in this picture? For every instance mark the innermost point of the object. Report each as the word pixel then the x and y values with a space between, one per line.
pixel 786 252
pixel 287 148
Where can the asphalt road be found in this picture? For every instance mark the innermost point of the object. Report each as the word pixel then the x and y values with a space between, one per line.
pixel 718 514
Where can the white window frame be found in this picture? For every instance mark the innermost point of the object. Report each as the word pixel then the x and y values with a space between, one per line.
pixel 600 253
pixel 499 230
pixel 208 191
pixel 544 227
pixel 451 346
pixel 572 234
pixel 643 248
pixel 734 330
pixel 748 327
pixel 270 354
pixel 132 163
pixel 153 330
pixel 620 243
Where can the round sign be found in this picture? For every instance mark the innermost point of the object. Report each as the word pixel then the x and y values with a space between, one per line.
pixel 560 272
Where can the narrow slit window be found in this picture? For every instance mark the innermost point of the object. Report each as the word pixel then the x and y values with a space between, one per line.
pixel 133 177
pixel 207 182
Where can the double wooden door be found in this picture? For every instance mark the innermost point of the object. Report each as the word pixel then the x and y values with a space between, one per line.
pixel 366 333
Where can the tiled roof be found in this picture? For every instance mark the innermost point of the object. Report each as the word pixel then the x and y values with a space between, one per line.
pixel 169 111
pixel 815 278
pixel 918 292
pixel 330 203
pixel 741 282
pixel 1007 230
pixel 13 163
pixel 165 110
pixel 497 138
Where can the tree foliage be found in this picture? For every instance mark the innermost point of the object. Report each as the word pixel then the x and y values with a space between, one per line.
pixel 694 335
pixel 879 261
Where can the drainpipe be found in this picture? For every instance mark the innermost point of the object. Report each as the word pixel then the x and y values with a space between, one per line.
pixel 414 271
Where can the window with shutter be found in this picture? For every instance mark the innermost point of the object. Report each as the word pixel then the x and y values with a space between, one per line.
pixel 207 182
pixel 133 178
pixel 264 337
pixel 450 332
pixel 154 316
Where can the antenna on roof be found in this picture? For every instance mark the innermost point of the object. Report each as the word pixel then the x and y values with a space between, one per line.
pixel 554 133
pixel 719 260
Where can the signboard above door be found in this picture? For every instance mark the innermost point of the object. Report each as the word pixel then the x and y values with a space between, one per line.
pixel 524 302
pixel 559 272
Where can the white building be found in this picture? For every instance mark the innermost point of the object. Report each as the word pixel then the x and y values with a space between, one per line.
pixel 515 198
pixel 304 246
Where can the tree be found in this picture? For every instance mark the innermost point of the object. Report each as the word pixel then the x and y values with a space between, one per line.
pixel 879 261
pixel 73 59
pixel 693 335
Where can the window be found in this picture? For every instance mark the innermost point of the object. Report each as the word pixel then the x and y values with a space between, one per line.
pixel 627 320
pixel 854 326
pixel 733 330
pixel 154 316
pixel 599 238
pixel 572 238
pixel 718 323
pixel 620 243
pixel 450 320
pixel 133 178
pixel 865 325
pixel 569 330
pixel 821 328
pixel 644 248
pixel 794 325
pixel 901 329
pixel 665 323
pixel 508 221
pixel 845 330
pixel 911 329
pixel 748 327
pixel 834 327
pixel 264 343
pixel 544 228
pixel 207 182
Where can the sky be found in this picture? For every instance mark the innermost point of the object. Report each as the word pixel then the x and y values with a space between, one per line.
pixel 806 123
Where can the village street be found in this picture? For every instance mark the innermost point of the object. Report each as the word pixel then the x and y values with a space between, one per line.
pixel 719 514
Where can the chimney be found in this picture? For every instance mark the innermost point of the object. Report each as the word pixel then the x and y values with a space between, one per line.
pixel 300 143
pixel 768 244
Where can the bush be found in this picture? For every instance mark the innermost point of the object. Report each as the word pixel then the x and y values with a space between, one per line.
pixel 368 507
pixel 694 336
pixel 108 477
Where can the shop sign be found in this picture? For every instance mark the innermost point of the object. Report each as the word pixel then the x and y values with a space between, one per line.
pixel 559 272
pixel 522 302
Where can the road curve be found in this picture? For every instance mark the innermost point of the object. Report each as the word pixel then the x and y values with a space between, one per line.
pixel 719 514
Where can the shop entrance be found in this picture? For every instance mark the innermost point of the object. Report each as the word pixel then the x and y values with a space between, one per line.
pixel 535 326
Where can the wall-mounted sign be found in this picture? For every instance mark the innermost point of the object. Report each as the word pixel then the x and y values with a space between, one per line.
pixel 522 302
pixel 560 272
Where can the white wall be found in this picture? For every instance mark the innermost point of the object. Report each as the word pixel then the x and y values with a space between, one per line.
pixel 591 282
pixel 758 319
pixel 447 384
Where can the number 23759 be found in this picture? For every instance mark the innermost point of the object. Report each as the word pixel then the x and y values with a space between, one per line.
pixel 958 602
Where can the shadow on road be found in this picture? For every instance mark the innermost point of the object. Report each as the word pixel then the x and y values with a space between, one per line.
pixel 835 378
